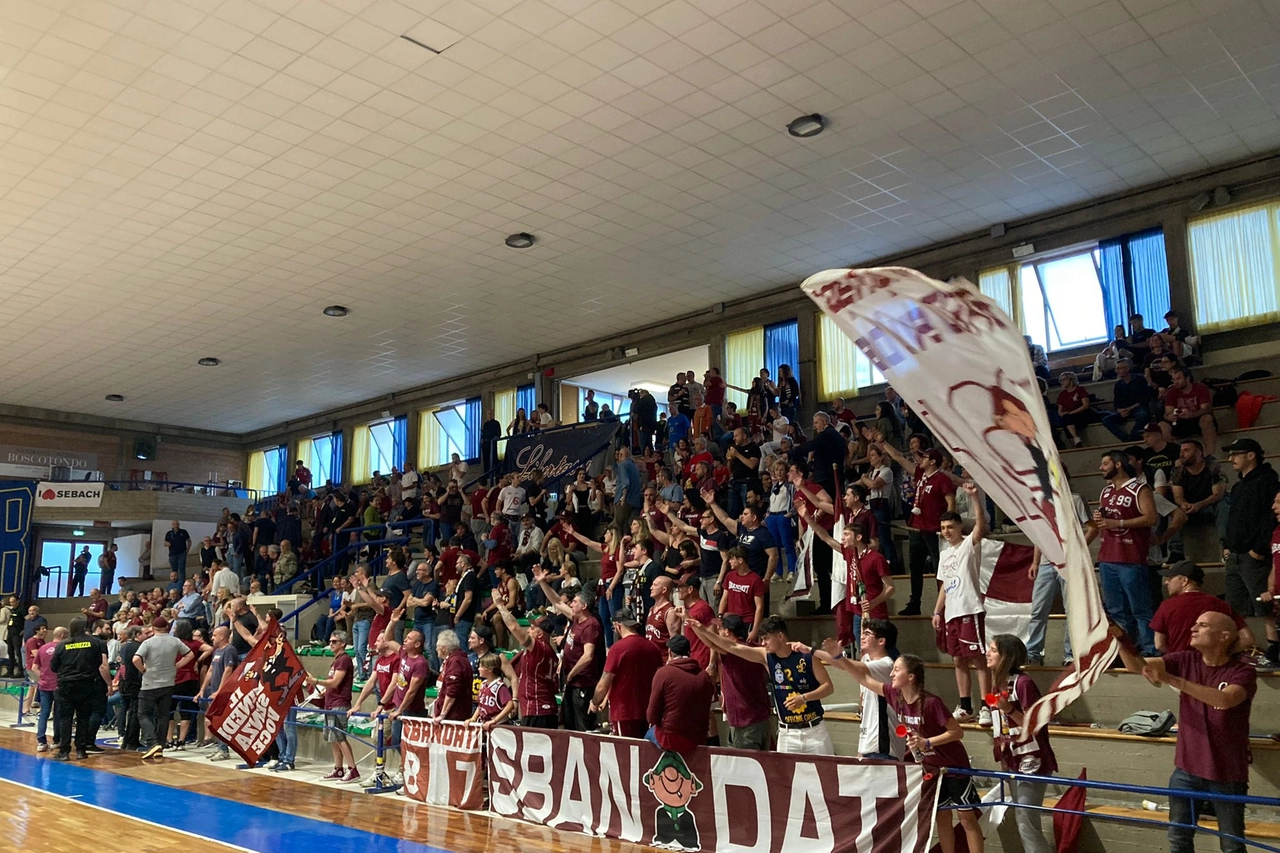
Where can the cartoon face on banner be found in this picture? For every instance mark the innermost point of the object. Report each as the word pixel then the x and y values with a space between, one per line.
pixel 673 785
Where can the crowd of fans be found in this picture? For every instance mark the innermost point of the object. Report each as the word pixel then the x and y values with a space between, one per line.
pixel 701 510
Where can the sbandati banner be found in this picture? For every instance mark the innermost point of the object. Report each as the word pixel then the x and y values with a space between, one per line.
pixel 443 762
pixel 249 710
pixel 556 453
pixel 962 366
pixel 718 800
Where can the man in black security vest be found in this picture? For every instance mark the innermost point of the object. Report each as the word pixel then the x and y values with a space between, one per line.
pixel 78 660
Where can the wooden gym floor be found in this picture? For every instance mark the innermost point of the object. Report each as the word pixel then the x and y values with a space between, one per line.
pixel 116 803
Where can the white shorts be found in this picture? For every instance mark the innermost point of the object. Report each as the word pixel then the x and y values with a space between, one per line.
pixel 811 741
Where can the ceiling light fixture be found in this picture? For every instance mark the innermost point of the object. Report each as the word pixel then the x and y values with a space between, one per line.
pixel 807 126
pixel 1200 202
pixel 520 241
pixel 115 398
pixel 209 361
pixel 335 311
pixel 1221 196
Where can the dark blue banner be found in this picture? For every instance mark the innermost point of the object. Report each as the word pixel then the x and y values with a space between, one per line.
pixel 16 498
pixel 556 453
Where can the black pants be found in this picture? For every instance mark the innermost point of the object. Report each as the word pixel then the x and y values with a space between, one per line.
pixel 129 729
pixel 924 551
pixel 16 669
pixel 574 711
pixel 75 702
pixel 542 721
pixel 99 709
pixel 821 574
pixel 155 708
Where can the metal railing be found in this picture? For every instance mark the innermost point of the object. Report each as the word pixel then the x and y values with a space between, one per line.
pixel 206 488
pixel 1196 797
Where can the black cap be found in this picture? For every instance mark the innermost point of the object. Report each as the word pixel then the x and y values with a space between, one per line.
pixel 1184 569
pixel 1243 445
pixel 678 646
pixel 485 633
pixel 625 618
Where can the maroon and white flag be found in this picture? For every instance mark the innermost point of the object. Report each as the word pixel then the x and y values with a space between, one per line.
pixel 443 762
pixel 962 366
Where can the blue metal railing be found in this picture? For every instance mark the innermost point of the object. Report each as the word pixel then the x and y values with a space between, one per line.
pixel 1004 778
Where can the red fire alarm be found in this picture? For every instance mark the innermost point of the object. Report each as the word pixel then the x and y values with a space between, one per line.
pixel 548 372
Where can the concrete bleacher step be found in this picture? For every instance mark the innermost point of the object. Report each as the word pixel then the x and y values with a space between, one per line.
pixel 1082 462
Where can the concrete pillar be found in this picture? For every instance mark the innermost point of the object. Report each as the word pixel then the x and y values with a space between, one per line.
pixel 807 370
pixel 1177 256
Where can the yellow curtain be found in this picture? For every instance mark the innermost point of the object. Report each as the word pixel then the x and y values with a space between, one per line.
pixel 360 471
pixel 504 410
pixel 1000 285
pixel 258 472
pixel 743 358
pixel 1235 267
pixel 304 453
pixel 838 358
pixel 429 443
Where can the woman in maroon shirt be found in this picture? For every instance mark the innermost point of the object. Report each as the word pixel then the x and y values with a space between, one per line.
pixel 932 734
pixel 1074 406
pixel 1006 655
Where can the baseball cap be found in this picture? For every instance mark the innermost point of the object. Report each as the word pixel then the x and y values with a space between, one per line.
pixel 625 618
pixel 1151 427
pixel 1184 569
pixel 1243 445
pixel 678 645
pixel 545 624
pixel 687 579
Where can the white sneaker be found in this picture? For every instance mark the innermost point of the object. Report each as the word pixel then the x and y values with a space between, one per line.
pixel 984 717
pixel 961 715
pixel 397 778
pixel 271 765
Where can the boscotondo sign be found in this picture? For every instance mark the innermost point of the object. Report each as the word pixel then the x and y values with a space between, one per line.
pixel 68 494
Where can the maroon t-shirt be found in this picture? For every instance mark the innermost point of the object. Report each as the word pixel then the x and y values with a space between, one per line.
pixel 1073 399
pixel 931 500
pixel 536 666
pixel 409 669
pixel 377 627
pixel 1123 545
pixel 338 697
pixel 871 568
pixel 866 519
pixel 713 391
pixel 1275 559
pixel 1213 744
pixel 1175 616
pixel 633 660
pixel 740 593
pixel 33 645
pixel 928 717
pixel 455 681
pixel 575 640
pixel 701 613
pixel 384 669
pixel 743 693
pixel 1023 693
pixel 1195 397
pixel 494 696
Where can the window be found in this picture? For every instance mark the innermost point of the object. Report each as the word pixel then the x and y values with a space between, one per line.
pixel 386 445
pixel 1235 267
pixel 526 399
pixel 323 455
pixel 1076 297
pixel 842 367
pixel 782 346
pixel 620 405
pixel 448 430
pixel 269 469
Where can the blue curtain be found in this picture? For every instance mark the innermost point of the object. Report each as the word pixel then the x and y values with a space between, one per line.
pixel 399 430
pixel 335 458
pixel 1149 275
pixel 526 399
pixel 471 422
pixel 1111 275
pixel 782 346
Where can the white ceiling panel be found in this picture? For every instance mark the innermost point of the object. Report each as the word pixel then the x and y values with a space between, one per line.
pixel 188 179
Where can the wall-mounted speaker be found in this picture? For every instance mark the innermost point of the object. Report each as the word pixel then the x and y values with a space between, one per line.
pixel 144 447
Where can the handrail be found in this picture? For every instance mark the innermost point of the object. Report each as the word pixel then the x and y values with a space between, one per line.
pixel 332 559
pixel 1066 781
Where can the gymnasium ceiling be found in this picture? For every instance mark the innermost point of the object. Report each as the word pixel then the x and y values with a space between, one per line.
pixel 191 178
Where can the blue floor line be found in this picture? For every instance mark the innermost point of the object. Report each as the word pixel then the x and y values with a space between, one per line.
pixel 251 827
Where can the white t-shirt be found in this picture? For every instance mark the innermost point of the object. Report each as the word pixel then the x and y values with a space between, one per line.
pixel 780 425
pixel 511 498
pixel 884 473
pixel 409 484
pixel 959 567
pixel 877 716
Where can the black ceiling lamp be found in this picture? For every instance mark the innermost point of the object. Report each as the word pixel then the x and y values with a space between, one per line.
pixel 335 311
pixel 522 240
pixel 209 361
pixel 115 398
pixel 807 126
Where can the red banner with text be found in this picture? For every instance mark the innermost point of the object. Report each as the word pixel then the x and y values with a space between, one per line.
pixel 716 800
pixel 443 762
pixel 249 710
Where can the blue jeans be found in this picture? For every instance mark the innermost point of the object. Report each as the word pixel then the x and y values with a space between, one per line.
pixel 652 737
pixel 1048 584
pixel 1230 815
pixel 235 562
pixel 42 719
pixel 178 563
pixel 606 606
pixel 779 527
pixel 463 630
pixel 360 636
pixel 430 650
pixel 737 497
pixel 287 740
pixel 1115 424
pixel 324 627
pixel 1126 596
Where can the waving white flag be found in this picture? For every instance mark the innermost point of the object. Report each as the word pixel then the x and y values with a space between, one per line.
pixel 962 366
